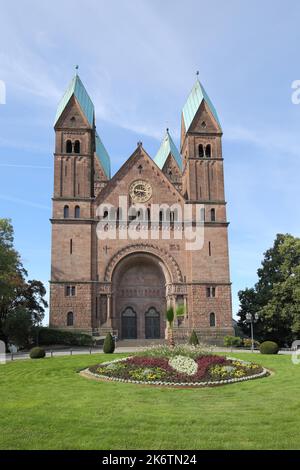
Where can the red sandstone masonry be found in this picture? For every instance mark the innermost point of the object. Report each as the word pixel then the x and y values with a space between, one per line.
pixel 164 266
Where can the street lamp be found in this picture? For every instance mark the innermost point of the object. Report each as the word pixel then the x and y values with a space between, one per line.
pixel 252 319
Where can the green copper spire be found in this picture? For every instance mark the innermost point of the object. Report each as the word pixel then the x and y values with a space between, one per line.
pixel 167 147
pixel 77 89
pixel 197 95
pixel 103 156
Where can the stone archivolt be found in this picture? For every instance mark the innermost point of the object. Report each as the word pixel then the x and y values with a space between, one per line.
pixel 168 260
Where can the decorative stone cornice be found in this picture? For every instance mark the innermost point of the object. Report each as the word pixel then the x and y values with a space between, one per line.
pixel 206 201
pixel 179 289
pixel 75 198
pixel 73 221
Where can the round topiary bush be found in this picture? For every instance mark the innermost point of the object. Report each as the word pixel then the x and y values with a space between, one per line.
pixel 37 353
pixel 109 344
pixel 194 339
pixel 269 347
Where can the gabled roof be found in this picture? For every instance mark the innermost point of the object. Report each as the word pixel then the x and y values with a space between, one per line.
pixel 197 95
pixel 167 147
pixel 77 89
pixel 130 162
pixel 103 156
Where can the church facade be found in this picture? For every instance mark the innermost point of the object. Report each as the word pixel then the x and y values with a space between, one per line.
pixel 122 246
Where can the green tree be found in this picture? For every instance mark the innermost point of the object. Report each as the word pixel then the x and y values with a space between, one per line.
pixel 18 327
pixel 193 340
pixel 12 273
pixel 170 316
pixel 276 295
pixel 16 293
pixel 170 333
pixel 109 344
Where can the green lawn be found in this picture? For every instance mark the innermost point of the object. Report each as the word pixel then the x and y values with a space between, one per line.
pixel 45 404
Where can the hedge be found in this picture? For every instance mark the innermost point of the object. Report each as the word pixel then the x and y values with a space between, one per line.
pixel 51 336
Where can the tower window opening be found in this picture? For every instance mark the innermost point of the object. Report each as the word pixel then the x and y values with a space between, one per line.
pixel 202 214
pixel 77 146
pixel 200 151
pixel 160 217
pixel 70 291
pixel 77 212
pixel 210 292
pixel 213 215
pixel 119 214
pixel 69 146
pixel 66 212
pixel 208 151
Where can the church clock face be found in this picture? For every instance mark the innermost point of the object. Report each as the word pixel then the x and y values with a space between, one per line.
pixel 140 191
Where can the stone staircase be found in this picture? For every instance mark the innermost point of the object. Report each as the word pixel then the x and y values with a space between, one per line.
pixel 130 343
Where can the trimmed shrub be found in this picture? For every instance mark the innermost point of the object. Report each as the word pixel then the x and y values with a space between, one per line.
pixel 50 336
pixel 109 344
pixel 37 353
pixel 194 339
pixel 247 343
pixel 170 315
pixel 269 347
pixel 232 341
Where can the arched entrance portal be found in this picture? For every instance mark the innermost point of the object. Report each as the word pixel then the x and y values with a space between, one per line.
pixel 139 289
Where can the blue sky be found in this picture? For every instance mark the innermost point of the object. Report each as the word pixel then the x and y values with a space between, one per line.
pixel 138 60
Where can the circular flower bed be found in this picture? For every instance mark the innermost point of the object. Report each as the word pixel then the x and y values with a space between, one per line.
pixel 191 369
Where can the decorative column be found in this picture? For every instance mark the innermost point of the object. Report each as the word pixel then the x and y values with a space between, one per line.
pixel 174 303
pixel 185 307
pixel 174 298
pixel 108 320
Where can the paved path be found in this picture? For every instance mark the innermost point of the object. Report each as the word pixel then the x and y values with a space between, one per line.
pixel 121 349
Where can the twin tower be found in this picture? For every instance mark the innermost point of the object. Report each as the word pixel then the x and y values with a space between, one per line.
pixel 125 284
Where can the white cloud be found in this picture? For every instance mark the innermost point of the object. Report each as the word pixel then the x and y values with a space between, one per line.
pixel 271 139
pixel 17 200
pixel 38 167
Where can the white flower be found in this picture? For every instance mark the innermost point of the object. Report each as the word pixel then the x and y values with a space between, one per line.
pixel 185 365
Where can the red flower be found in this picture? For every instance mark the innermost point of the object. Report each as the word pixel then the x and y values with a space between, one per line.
pixel 205 362
pixel 149 362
